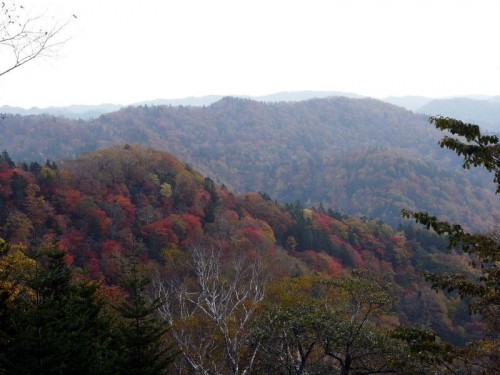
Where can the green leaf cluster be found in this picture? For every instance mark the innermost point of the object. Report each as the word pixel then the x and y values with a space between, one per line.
pixel 477 150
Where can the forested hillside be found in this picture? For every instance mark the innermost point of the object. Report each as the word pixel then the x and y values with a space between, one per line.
pixel 129 209
pixel 359 156
pixel 234 236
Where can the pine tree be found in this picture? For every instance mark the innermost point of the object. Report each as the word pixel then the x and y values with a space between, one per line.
pixel 62 328
pixel 5 158
pixel 144 349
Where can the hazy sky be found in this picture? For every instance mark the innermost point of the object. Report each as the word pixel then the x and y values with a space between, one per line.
pixel 128 51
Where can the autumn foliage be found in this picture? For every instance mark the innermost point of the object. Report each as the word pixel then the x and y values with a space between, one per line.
pixel 130 202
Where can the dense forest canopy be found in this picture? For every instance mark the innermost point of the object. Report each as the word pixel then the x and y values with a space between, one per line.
pixel 126 260
pixel 107 208
pixel 359 156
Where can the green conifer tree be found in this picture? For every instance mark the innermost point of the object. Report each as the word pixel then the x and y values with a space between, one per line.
pixel 62 327
pixel 5 158
pixel 144 349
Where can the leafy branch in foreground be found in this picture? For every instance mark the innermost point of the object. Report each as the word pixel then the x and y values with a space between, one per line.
pixel 481 286
pixel 478 149
pixel 484 288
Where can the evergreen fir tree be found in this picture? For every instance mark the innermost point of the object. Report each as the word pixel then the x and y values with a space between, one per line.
pixel 63 328
pixel 144 349
pixel 5 158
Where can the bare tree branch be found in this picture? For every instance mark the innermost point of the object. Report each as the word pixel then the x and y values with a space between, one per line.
pixel 210 313
pixel 24 38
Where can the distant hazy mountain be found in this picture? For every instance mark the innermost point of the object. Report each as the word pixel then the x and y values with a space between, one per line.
pixel 195 101
pixel 483 112
pixel 89 112
pixel 412 103
pixel 477 109
pixel 84 112
pixel 285 96
pixel 297 96
pixel 361 156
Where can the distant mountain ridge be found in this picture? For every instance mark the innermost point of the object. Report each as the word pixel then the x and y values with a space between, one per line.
pixel 359 156
pixel 76 112
pixel 89 112
pixel 478 109
pixel 411 103
pixel 483 112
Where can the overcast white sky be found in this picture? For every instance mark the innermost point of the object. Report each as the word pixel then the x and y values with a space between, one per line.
pixel 128 51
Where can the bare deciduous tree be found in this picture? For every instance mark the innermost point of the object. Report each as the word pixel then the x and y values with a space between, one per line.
pixel 210 313
pixel 24 37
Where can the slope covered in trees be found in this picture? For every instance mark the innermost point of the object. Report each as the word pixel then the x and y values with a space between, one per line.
pixel 130 221
pixel 359 156
pixel 129 200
